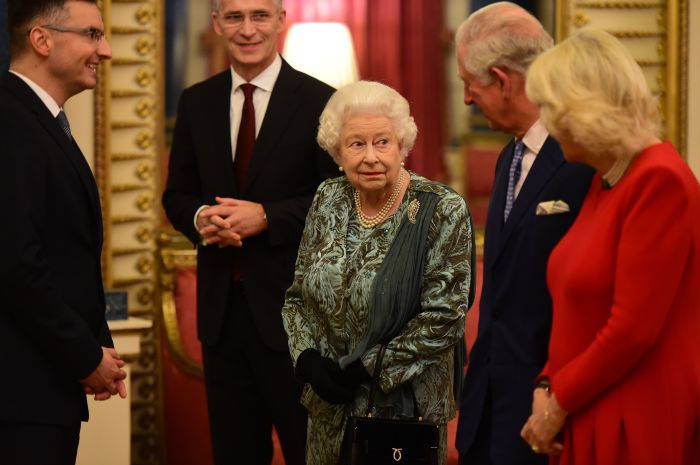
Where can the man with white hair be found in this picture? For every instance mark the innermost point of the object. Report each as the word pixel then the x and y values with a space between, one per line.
pixel 535 198
pixel 244 167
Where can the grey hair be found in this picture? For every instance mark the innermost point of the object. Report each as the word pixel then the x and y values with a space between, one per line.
pixel 501 34
pixel 216 4
pixel 366 98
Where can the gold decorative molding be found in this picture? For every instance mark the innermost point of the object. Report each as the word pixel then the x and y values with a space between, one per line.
pixel 144 233
pixel 145 264
pixel 145 296
pixel 129 30
pixel 129 187
pixel 128 61
pixel 176 253
pixel 145 45
pixel 144 201
pixel 130 250
pixel 145 107
pixel 129 124
pixel 650 63
pixel 119 156
pixel 581 19
pixel 144 139
pixel 127 282
pixel 667 35
pixel 129 156
pixel 129 148
pixel 121 93
pixel 621 5
pixel 638 34
pixel 144 77
pixel 145 15
pixel 145 171
pixel 121 219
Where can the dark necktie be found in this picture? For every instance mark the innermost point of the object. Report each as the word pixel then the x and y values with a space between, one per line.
pixel 63 121
pixel 513 176
pixel 246 136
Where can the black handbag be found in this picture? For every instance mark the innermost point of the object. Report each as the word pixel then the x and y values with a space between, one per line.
pixel 379 441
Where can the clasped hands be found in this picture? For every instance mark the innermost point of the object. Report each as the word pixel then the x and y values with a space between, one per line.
pixel 545 422
pixel 230 221
pixel 326 378
pixel 107 379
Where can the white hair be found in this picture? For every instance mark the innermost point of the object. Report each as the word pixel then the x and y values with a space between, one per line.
pixel 216 4
pixel 501 34
pixel 366 98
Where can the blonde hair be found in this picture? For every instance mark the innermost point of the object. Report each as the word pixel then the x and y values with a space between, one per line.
pixel 590 88
pixel 502 34
pixel 365 98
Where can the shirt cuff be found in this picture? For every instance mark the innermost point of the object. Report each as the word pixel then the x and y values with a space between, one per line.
pixel 196 214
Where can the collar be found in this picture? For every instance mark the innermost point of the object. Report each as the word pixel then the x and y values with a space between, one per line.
pixel 41 93
pixel 535 137
pixel 265 80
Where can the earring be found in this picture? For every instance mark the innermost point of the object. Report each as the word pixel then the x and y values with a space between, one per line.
pixel 340 168
pixel 402 164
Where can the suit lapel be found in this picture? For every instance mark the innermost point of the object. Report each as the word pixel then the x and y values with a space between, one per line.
pixel 217 119
pixel 68 147
pixel 283 102
pixel 494 220
pixel 546 164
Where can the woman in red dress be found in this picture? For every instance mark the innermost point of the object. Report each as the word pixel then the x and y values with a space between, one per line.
pixel 622 383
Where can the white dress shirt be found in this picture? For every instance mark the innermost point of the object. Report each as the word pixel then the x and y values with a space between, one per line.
pixel 533 140
pixel 41 93
pixel 264 82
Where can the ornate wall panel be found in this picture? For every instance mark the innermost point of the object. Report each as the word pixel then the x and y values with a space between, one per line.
pixel 128 153
pixel 656 33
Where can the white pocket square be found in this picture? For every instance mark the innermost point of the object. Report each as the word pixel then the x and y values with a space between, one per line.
pixel 552 207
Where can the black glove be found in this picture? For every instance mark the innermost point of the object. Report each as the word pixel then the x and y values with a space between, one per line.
pixel 353 375
pixel 321 373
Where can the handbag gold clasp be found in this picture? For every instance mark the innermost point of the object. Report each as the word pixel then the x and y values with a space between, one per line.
pixel 397 454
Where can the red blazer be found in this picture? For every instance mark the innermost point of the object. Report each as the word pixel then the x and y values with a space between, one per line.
pixel 624 354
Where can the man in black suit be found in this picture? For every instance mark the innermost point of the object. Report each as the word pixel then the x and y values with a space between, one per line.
pixel 243 170
pixel 54 342
pixel 535 198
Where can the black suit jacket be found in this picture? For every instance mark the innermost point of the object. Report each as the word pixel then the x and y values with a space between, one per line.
pixel 286 168
pixel 52 302
pixel 515 307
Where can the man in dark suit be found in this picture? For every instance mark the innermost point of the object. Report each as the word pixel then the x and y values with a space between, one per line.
pixel 243 170
pixel 535 198
pixel 54 342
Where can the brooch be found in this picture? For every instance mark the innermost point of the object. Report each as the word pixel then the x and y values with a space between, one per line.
pixel 413 210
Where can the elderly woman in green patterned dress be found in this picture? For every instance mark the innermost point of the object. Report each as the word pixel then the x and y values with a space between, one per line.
pixel 385 258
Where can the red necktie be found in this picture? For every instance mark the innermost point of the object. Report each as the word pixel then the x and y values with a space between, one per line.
pixel 246 136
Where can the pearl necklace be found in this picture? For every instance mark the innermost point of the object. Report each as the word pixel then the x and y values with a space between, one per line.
pixel 615 173
pixel 372 221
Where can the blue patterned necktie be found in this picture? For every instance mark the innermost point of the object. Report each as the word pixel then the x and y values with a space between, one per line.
pixel 513 176
pixel 63 121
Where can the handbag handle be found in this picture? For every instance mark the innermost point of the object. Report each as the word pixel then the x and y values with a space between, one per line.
pixel 373 386
pixel 375 377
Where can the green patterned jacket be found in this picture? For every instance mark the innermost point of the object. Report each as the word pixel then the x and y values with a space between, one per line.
pixel 327 305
